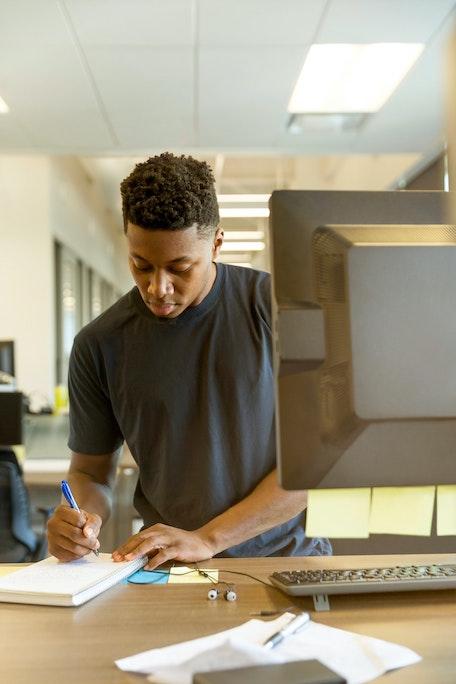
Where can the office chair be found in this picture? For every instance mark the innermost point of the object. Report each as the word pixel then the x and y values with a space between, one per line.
pixel 18 541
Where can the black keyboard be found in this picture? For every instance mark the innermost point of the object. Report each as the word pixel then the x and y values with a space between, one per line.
pixel 366 580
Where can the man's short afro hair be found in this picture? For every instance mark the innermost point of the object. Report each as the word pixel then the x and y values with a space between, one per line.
pixel 170 192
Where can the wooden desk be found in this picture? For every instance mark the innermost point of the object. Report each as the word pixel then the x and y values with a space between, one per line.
pixel 43 644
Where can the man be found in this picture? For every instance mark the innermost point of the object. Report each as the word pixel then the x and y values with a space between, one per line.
pixel 179 368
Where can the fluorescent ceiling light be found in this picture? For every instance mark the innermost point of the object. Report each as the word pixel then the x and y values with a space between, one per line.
pixel 240 257
pixel 242 246
pixel 259 199
pixel 4 109
pixel 312 123
pixel 245 264
pixel 243 234
pixel 244 212
pixel 351 78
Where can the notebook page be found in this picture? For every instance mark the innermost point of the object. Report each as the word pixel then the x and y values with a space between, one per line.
pixel 53 577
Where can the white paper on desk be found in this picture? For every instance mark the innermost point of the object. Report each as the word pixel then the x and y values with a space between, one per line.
pixel 355 657
pixel 230 654
pixel 253 632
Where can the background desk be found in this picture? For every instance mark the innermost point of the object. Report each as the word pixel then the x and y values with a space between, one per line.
pixel 41 644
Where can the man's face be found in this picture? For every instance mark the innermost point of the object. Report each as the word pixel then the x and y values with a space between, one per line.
pixel 173 269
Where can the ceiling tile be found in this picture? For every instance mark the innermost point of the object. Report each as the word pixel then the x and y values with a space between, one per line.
pixel 47 88
pixel 132 22
pixel 12 134
pixel 29 25
pixel 148 93
pixel 377 21
pixel 258 22
pixel 413 118
pixel 244 93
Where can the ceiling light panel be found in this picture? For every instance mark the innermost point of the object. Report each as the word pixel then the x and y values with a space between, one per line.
pixel 4 109
pixel 241 199
pixel 243 234
pixel 351 78
pixel 243 246
pixel 244 212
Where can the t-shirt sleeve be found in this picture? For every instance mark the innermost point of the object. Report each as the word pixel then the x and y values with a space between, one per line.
pixel 93 426
pixel 263 299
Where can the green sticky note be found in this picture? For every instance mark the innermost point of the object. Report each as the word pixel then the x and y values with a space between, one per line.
pixel 446 509
pixel 402 510
pixel 338 513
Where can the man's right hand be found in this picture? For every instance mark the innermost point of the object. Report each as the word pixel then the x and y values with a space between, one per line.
pixel 72 534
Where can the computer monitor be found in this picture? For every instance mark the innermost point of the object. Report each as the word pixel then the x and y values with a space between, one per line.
pixel 7 357
pixel 11 418
pixel 364 318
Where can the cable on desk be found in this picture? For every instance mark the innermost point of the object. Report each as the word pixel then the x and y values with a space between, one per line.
pixel 212 579
pixel 204 573
pixel 236 572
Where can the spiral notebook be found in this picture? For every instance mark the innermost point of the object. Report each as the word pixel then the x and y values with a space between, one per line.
pixel 52 583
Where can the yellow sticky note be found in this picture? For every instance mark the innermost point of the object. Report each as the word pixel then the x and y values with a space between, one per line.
pixel 8 569
pixel 402 510
pixel 183 575
pixel 446 509
pixel 19 450
pixel 338 513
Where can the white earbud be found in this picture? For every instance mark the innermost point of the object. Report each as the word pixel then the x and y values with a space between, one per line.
pixel 228 594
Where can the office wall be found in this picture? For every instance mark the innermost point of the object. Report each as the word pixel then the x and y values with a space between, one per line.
pixel 430 178
pixel 26 269
pixel 43 199
pixel 79 220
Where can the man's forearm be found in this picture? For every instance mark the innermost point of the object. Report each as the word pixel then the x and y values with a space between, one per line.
pixel 267 506
pixel 90 495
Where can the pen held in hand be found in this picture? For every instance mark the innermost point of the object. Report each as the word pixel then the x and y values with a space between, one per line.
pixel 295 625
pixel 68 494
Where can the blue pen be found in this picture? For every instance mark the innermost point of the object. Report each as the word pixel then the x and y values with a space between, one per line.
pixel 68 494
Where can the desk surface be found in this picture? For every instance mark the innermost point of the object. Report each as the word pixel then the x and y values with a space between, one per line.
pixel 43 644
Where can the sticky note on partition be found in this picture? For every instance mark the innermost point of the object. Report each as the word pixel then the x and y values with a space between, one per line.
pixel 402 510
pixel 446 509
pixel 338 513
pixel 180 574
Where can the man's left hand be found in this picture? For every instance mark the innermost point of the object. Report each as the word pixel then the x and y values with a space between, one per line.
pixel 163 543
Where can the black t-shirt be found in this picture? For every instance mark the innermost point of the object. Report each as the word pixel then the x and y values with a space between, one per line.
pixel 193 398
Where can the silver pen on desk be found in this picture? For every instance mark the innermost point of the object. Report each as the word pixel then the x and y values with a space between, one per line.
pixel 292 627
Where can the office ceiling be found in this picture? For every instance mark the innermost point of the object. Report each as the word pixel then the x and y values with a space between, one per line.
pixel 129 77
pixel 113 81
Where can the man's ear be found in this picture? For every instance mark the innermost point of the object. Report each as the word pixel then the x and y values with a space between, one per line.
pixel 218 241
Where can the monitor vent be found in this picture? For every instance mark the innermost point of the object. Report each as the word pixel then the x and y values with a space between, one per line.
pixel 329 264
pixel 335 379
pixel 329 268
pixel 335 399
pixel 337 337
